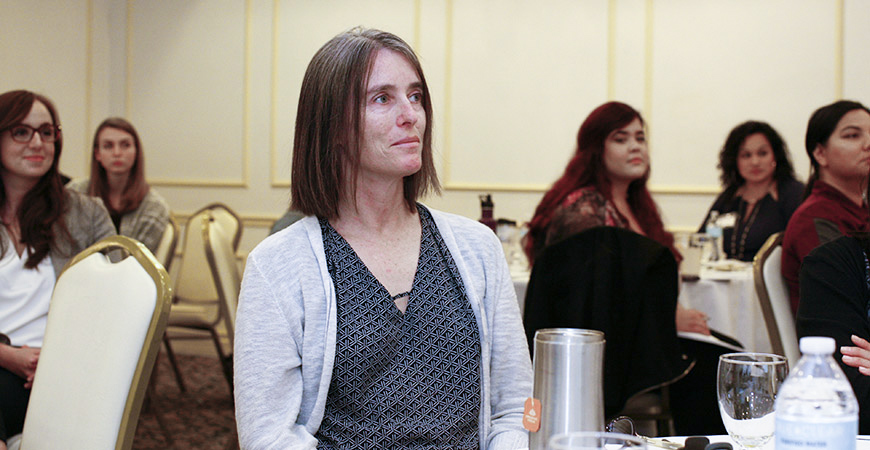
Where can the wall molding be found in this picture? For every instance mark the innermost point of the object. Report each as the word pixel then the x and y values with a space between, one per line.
pixel 540 188
pixel 245 169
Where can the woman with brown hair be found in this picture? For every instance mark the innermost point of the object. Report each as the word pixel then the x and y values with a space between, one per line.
pixel 118 178
pixel 375 322
pixel 43 226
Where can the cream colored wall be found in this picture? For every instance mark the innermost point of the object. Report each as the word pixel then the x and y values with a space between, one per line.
pixel 212 85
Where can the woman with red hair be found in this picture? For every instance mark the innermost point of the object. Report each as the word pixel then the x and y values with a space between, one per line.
pixel 605 185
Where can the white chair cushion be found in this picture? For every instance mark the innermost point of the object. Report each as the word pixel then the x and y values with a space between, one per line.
pixel 99 318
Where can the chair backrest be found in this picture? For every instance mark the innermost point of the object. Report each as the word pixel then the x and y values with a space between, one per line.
pixel 224 270
pixel 193 282
pixel 228 219
pixel 165 252
pixel 774 299
pixel 623 284
pixel 102 336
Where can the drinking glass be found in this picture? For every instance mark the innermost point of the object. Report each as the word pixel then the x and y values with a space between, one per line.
pixel 747 384
pixel 595 440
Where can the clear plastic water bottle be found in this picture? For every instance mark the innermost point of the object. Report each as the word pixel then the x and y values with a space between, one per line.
pixel 713 230
pixel 816 407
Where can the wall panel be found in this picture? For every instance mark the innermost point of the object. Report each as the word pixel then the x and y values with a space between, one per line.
pixel 36 58
pixel 186 89
pixel 519 88
pixel 716 66
pixel 856 64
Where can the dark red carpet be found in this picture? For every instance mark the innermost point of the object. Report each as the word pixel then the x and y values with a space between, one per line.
pixel 201 418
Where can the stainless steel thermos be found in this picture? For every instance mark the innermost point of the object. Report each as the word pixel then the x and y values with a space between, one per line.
pixel 569 368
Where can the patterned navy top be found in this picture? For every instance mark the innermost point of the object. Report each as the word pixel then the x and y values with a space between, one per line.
pixel 404 381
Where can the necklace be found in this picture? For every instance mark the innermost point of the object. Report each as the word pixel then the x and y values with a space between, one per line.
pixel 744 230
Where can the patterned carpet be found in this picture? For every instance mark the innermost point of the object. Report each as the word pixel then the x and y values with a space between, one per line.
pixel 201 418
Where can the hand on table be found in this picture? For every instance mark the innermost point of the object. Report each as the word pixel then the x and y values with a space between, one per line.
pixel 692 320
pixel 21 361
pixel 858 356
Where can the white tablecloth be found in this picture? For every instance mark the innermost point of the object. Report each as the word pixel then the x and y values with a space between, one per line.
pixel 730 300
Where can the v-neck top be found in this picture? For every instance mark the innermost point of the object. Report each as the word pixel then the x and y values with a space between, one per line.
pixel 25 296
pixel 407 380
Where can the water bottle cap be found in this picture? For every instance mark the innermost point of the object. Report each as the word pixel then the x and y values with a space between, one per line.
pixel 818 345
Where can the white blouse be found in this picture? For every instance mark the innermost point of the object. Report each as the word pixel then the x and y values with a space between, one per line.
pixel 24 297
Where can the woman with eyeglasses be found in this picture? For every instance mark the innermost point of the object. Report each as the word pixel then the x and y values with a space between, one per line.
pixel 42 226
pixel 118 178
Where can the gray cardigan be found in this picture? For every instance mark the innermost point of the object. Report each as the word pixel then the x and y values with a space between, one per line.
pixel 286 331
pixel 145 223
pixel 87 221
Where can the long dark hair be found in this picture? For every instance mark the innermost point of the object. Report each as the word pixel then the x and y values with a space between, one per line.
pixel 329 123
pixel 137 188
pixel 821 126
pixel 730 175
pixel 46 201
pixel 586 168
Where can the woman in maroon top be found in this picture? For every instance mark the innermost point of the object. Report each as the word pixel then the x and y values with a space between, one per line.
pixel 838 144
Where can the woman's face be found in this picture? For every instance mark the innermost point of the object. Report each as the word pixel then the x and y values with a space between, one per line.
pixel 625 154
pixel 27 161
pixel 394 119
pixel 755 160
pixel 846 155
pixel 116 151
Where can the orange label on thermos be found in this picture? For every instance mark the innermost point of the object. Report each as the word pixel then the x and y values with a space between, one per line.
pixel 532 415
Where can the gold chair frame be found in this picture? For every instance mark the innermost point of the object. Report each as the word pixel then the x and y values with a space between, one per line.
pixel 774 327
pixel 156 327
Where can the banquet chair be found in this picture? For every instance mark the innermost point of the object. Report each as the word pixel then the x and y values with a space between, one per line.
pixel 204 299
pixel 774 300
pixel 623 284
pixel 101 340
pixel 165 251
pixel 228 219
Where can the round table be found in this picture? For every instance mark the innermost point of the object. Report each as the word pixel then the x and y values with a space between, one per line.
pixel 729 299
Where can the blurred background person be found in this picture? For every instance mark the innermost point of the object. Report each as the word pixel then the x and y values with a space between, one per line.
pixel 838 144
pixel 374 312
pixel 835 302
pixel 604 184
pixel 760 190
pixel 43 226
pixel 118 178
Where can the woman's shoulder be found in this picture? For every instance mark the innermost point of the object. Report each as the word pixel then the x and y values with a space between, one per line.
pixel 274 247
pixel 468 235
pixel 79 201
pixel 586 194
pixel 79 185
pixel 457 222
pixel 154 202
pixel 790 188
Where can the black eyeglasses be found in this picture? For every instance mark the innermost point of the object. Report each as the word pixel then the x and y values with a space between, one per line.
pixel 23 134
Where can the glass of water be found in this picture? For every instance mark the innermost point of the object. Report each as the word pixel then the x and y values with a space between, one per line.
pixel 747 384
pixel 595 440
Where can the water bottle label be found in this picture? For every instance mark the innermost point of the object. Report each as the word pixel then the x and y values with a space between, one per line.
pixel 836 434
